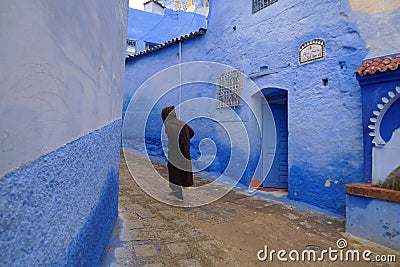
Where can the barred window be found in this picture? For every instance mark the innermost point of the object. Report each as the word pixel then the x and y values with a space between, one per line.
pixel 229 89
pixel 260 4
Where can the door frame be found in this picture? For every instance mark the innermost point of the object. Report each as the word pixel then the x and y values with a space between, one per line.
pixel 273 96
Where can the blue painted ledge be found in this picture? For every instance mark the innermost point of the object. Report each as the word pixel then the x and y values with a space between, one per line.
pixel 60 209
pixel 373 213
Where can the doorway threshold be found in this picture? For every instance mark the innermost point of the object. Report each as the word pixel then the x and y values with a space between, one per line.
pixel 257 184
pixel 274 191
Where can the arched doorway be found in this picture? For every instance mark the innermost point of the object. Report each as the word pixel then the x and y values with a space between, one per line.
pixel 275 126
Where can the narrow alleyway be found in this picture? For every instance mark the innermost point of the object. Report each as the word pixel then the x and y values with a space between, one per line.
pixel 228 232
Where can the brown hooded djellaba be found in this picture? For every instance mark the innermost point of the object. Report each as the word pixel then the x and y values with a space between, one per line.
pixel 179 161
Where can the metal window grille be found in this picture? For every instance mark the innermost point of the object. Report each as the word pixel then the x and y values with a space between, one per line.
pixel 260 4
pixel 229 89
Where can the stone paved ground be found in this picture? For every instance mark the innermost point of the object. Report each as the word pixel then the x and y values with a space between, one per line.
pixel 228 232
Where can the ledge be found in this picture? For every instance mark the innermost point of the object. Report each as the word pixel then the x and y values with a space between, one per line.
pixel 367 190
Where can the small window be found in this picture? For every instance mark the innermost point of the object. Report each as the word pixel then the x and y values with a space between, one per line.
pixel 149 45
pixel 229 89
pixel 260 4
pixel 130 46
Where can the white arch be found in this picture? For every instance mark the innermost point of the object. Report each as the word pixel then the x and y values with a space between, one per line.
pixel 385 156
pixel 376 119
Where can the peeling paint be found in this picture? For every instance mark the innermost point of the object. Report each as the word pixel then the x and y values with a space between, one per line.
pixel 328 183
pixel 383 227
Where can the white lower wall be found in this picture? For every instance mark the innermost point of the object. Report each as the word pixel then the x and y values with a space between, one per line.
pixel 385 159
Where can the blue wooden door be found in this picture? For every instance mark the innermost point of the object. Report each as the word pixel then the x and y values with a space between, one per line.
pixel 278 174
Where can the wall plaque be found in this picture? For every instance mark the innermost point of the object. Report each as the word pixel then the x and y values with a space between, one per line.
pixel 311 51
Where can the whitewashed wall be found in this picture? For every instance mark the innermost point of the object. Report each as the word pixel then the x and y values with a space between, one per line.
pixel 375 20
pixel 61 73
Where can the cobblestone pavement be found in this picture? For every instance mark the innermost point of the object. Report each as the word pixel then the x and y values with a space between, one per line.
pixel 228 232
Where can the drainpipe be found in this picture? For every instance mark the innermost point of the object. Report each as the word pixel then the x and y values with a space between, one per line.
pixel 180 74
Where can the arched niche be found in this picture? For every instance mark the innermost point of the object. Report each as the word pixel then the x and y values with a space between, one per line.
pixel 385 128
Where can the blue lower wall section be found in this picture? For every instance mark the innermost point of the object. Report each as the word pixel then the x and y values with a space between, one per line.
pixel 322 185
pixel 374 219
pixel 60 209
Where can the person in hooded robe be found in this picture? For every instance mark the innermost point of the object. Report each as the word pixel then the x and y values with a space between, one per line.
pixel 179 161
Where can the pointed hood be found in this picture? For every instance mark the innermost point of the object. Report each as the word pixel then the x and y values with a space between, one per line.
pixel 168 112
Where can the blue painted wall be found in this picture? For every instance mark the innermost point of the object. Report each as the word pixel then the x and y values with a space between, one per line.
pixel 325 121
pixel 374 219
pixel 60 209
pixel 147 27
